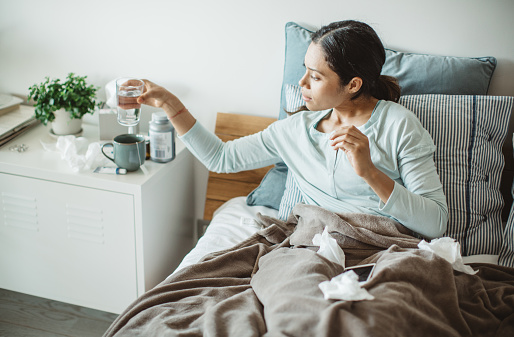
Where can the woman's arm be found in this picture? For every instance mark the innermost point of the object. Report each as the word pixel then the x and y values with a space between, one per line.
pixel 421 208
pixel 245 153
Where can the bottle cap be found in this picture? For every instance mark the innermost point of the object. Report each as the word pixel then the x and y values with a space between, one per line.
pixel 159 117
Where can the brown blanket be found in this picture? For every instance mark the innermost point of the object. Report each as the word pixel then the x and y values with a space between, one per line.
pixel 268 285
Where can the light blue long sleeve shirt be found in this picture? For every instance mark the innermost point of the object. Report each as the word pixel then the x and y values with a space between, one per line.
pixel 399 147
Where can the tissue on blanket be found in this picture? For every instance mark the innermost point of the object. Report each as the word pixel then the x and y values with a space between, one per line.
pixel 70 147
pixel 328 247
pixel 345 287
pixel 448 249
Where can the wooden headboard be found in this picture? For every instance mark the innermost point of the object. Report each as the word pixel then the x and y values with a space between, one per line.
pixel 222 186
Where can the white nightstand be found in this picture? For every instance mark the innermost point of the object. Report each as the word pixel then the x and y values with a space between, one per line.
pixel 90 239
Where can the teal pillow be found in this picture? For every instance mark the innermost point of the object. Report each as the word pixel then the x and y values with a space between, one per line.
pixel 430 74
pixel 298 40
pixel 416 73
pixel 270 190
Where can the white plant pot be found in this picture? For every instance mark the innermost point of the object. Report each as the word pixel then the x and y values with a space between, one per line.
pixel 64 125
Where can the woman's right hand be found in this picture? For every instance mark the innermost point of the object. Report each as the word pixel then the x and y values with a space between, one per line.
pixel 157 96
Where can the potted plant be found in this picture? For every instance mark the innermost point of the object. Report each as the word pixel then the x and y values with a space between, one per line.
pixel 64 103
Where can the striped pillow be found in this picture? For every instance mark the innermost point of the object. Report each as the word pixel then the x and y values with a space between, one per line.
pixel 294 98
pixel 469 132
pixel 291 197
pixel 506 257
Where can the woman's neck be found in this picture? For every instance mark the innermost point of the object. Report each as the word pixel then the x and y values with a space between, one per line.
pixel 356 112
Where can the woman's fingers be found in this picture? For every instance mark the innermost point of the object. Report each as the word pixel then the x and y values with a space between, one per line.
pixel 153 94
pixel 347 136
pixel 356 146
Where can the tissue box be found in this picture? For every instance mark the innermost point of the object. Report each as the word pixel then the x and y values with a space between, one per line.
pixel 109 128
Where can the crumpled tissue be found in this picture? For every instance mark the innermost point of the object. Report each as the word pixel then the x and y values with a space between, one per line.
pixel 328 247
pixel 448 249
pixel 70 147
pixel 346 287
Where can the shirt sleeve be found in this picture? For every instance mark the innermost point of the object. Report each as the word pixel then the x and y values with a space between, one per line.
pixel 418 202
pixel 245 153
pixel 425 213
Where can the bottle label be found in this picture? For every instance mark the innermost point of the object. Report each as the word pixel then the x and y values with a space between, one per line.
pixel 161 145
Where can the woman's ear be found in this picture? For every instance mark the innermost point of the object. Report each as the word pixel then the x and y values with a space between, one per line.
pixel 355 85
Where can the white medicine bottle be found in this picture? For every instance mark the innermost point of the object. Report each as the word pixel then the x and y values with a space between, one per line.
pixel 162 138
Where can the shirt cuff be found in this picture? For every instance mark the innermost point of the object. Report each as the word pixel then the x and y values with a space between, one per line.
pixel 190 133
pixel 386 207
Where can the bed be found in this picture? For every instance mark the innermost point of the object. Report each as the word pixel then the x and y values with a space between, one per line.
pixel 256 270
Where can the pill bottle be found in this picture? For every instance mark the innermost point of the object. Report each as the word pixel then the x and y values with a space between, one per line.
pixel 162 138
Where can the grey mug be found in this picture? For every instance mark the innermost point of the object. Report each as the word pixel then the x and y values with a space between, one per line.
pixel 129 151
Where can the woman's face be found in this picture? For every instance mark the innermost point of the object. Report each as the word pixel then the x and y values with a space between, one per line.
pixel 321 86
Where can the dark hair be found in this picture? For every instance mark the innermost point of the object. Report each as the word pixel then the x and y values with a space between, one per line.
pixel 353 49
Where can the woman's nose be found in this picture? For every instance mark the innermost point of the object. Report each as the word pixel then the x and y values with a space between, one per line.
pixel 303 80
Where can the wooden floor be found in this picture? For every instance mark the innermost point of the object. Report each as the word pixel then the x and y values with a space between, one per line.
pixel 28 316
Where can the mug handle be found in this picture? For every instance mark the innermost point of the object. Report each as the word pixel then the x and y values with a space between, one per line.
pixel 108 144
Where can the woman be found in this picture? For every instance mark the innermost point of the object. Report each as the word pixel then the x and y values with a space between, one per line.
pixel 352 149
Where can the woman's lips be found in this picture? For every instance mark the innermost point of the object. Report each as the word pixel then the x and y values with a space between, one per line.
pixel 305 98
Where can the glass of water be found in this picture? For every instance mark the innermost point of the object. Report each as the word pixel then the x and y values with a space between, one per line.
pixel 129 111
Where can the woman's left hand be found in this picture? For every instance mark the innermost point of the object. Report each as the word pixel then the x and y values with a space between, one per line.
pixel 356 146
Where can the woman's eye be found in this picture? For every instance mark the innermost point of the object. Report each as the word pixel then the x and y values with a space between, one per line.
pixel 314 78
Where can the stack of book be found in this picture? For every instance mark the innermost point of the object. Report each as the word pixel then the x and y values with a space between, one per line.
pixel 15 118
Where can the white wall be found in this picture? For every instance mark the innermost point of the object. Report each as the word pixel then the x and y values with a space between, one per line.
pixel 227 55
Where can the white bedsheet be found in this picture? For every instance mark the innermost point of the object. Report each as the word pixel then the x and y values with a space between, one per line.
pixel 233 222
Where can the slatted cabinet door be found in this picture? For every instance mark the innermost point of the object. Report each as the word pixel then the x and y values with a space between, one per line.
pixel 59 241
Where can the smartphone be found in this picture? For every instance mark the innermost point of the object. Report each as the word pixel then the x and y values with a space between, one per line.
pixel 364 271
